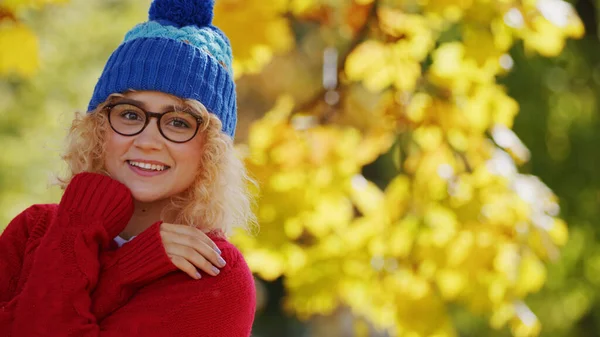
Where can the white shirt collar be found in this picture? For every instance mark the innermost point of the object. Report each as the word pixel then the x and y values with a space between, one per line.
pixel 120 241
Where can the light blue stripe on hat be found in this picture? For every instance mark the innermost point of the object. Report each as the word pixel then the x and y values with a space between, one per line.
pixel 199 37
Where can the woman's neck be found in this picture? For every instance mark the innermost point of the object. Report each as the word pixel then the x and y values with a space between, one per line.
pixel 144 215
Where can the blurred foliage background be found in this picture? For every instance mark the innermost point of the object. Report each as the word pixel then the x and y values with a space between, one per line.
pixel 419 161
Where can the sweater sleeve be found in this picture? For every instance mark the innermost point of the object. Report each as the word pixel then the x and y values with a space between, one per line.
pixel 177 305
pixel 12 249
pixel 56 297
pixel 129 268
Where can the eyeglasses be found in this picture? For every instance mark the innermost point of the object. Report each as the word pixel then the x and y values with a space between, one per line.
pixel 130 120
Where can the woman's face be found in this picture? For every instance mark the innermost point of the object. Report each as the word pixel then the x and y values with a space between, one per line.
pixel 174 165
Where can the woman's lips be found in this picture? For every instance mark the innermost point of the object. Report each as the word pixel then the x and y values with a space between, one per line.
pixel 146 173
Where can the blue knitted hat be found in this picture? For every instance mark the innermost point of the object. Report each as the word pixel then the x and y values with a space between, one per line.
pixel 179 52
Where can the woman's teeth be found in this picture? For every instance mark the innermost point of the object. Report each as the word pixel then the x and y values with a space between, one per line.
pixel 147 166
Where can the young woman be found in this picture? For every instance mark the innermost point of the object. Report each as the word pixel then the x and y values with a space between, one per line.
pixel 137 245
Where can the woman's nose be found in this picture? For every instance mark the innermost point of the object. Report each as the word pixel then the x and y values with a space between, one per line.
pixel 150 138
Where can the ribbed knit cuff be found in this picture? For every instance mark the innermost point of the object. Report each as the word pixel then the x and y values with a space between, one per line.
pixel 101 198
pixel 144 259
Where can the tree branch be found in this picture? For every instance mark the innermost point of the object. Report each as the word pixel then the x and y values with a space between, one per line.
pixel 5 14
pixel 360 36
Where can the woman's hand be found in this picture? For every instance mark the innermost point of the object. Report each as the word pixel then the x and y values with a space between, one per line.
pixel 190 249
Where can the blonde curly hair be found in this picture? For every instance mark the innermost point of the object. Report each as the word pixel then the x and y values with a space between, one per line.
pixel 218 201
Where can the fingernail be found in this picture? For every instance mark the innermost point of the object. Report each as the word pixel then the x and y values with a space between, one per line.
pixel 215 270
pixel 218 250
pixel 198 276
pixel 222 262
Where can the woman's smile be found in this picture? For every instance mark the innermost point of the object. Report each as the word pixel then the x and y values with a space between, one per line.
pixel 146 168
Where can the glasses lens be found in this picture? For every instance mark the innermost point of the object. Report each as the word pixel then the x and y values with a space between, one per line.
pixel 179 126
pixel 127 119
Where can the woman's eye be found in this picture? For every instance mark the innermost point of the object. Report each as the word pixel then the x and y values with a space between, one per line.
pixel 131 115
pixel 179 123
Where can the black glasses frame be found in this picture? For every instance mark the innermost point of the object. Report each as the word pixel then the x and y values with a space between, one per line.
pixel 149 115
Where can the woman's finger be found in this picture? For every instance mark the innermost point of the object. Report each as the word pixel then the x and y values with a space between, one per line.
pixel 192 256
pixel 192 231
pixel 185 266
pixel 198 244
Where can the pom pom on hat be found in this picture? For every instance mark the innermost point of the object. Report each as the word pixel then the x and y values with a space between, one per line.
pixel 183 12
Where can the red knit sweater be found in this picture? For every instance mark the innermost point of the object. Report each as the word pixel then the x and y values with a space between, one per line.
pixel 61 275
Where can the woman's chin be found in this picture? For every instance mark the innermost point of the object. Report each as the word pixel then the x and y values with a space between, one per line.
pixel 146 196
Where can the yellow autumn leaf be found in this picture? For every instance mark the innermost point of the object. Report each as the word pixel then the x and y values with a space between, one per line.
pixel 18 49
pixel 18 5
pixel 532 275
pixel 271 33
